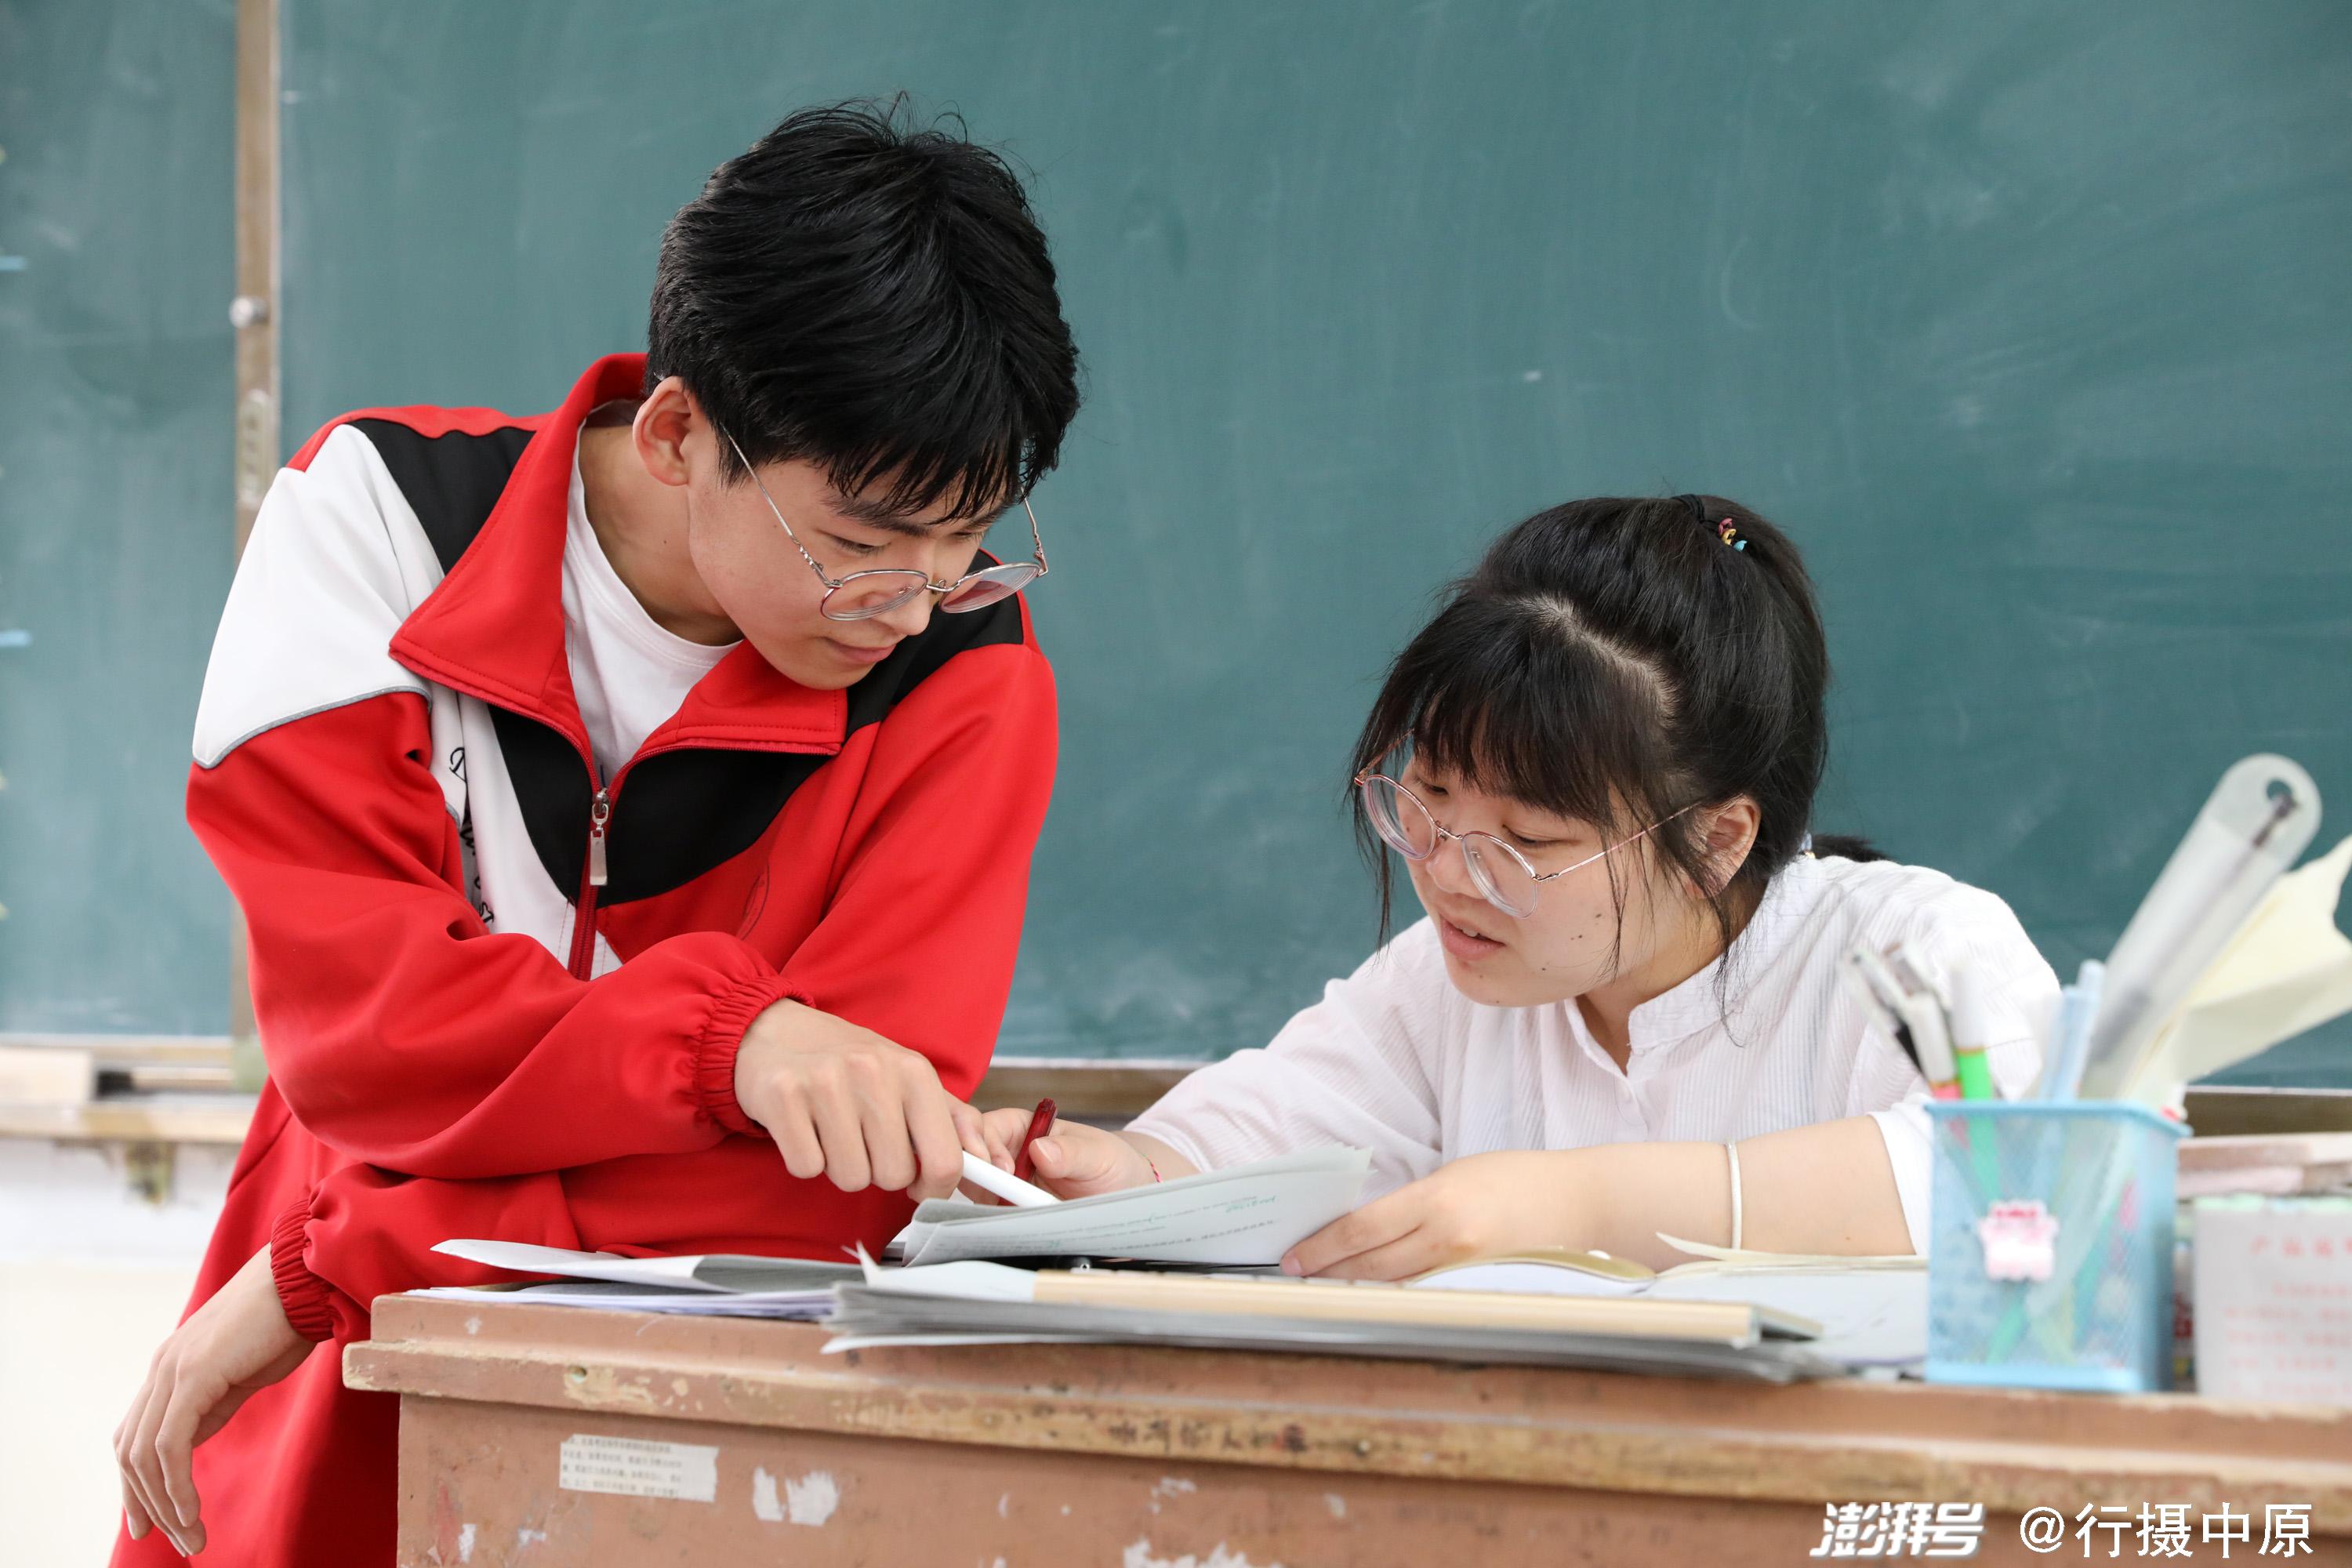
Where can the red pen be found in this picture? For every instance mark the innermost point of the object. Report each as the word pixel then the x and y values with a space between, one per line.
pixel 1041 1121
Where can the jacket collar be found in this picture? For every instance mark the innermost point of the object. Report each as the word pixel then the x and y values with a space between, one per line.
pixel 494 626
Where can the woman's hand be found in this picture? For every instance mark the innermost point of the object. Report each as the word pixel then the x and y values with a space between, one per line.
pixel 1073 1160
pixel 230 1349
pixel 844 1103
pixel 1479 1206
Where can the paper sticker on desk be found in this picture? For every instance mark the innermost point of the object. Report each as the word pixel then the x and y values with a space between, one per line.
pixel 630 1467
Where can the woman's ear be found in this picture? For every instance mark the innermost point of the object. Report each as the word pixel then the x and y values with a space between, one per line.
pixel 1726 833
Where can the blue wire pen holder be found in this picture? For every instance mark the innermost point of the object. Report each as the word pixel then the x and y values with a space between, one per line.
pixel 2050 1260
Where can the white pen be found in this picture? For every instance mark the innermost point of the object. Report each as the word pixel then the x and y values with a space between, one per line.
pixel 1003 1183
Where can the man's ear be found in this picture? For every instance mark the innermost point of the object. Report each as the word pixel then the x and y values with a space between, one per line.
pixel 665 419
pixel 1726 833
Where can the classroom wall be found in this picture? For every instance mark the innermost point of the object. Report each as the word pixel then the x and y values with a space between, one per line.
pixel 116 407
pixel 2027 320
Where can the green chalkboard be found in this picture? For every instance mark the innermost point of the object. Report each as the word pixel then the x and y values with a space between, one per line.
pixel 2030 321
pixel 116 398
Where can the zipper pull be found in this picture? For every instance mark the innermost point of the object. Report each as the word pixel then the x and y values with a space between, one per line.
pixel 598 815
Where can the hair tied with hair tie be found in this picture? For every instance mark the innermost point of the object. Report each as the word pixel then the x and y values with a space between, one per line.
pixel 1729 535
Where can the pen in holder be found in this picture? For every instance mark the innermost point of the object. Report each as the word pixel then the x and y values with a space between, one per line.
pixel 2051 1256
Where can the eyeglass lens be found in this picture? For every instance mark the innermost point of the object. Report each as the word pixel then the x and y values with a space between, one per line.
pixel 867 593
pixel 1405 824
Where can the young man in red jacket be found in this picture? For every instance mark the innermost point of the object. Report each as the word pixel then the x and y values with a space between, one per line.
pixel 630 807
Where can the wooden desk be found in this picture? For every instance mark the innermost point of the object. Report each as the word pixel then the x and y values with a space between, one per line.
pixel 1141 1458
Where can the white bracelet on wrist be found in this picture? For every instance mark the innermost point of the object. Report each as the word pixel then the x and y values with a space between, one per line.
pixel 1733 1150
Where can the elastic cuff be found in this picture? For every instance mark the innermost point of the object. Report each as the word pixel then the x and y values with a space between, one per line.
pixel 303 1293
pixel 715 1048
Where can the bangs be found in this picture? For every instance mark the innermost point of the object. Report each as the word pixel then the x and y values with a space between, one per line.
pixel 1517 700
pixel 873 297
pixel 971 455
pixel 956 435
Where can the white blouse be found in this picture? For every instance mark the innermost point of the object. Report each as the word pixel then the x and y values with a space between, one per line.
pixel 1395 1060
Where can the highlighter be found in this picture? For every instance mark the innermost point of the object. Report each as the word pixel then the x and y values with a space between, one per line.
pixel 1972 1032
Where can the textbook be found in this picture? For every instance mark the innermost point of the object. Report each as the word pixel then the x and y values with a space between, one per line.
pixel 1872 1311
pixel 977 1302
pixel 1242 1215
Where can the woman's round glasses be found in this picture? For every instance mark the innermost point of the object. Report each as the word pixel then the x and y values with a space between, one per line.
pixel 864 594
pixel 1501 873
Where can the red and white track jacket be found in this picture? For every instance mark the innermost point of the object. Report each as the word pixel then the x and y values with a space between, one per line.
pixel 392 774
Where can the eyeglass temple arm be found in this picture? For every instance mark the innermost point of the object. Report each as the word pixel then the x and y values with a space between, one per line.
pixel 1621 844
pixel 1036 539
pixel 778 511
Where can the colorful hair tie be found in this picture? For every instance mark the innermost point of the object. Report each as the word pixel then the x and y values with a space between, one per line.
pixel 1723 530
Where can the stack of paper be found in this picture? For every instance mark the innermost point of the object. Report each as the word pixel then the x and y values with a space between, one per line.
pixel 1733 1313
pixel 793 1306
pixel 707 1285
pixel 2276 1164
pixel 1247 1216
pixel 974 1302
pixel 1242 1215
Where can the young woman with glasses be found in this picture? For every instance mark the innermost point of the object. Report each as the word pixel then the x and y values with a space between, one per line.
pixel 1623 1012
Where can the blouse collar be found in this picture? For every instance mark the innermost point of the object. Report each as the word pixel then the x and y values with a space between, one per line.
pixel 1698 1003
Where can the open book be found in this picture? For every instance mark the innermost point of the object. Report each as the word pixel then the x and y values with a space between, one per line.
pixel 1239 1217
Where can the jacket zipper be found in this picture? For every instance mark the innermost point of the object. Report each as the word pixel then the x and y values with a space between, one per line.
pixel 600 818
pixel 583 931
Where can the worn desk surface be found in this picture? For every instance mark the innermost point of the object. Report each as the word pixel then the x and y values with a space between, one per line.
pixel 1138 1458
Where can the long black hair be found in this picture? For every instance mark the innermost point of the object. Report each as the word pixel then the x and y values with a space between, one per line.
pixel 1618 661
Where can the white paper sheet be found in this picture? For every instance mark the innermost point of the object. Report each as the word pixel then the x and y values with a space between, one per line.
pixel 1246 1215
pixel 609 1296
pixel 715 1272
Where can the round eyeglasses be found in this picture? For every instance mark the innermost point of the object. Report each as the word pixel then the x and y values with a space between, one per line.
pixel 864 594
pixel 1501 873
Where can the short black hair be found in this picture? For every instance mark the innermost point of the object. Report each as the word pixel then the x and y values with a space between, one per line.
pixel 875 296
pixel 1618 661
